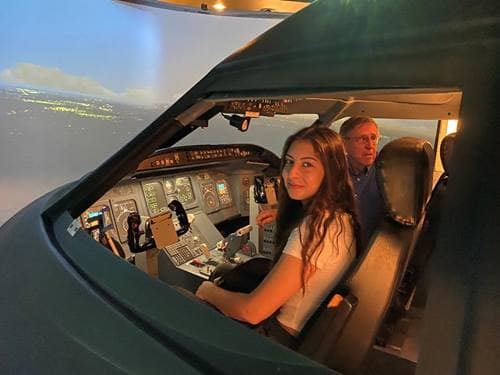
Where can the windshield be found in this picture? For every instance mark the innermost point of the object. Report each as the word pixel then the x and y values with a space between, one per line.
pixel 79 79
pixel 271 132
pixel 268 132
pixel 76 86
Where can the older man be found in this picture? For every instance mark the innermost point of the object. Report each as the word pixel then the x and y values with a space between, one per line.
pixel 361 136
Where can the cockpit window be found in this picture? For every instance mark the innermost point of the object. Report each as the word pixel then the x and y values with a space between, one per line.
pixel 78 85
pixel 271 132
pixel 391 129
pixel 268 132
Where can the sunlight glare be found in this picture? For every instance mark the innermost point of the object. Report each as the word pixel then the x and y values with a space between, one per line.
pixel 451 127
pixel 219 7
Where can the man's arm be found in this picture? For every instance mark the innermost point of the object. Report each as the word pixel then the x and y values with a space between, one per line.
pixel 266 217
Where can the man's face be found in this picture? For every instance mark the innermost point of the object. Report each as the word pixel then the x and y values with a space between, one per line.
pixel 361 145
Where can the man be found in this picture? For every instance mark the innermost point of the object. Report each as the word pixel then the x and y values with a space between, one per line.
pixel 361 136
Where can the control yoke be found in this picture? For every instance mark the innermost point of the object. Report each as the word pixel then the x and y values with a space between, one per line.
pixel 266 190
pixel 180 212
pixel 134 233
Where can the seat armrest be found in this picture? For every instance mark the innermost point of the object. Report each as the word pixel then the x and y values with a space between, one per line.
pixel 322 336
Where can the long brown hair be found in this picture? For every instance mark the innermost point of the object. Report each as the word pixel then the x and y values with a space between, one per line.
pixel 334 196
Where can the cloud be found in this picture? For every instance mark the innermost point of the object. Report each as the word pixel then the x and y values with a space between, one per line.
pixel 56 79
pixel 176 96
pixel 139 95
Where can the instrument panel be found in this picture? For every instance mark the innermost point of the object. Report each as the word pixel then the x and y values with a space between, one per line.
pixel 211 182
pixel 121 210
pixel 223 192
pixel 158 193
pixel 156 200
pixel 184 190
pixel 183 156
pixel 210 191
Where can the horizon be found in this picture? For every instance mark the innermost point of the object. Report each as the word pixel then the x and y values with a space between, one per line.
pixel 129 52
pixel 125 55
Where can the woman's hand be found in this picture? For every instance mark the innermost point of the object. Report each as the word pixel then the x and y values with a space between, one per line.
pixel 204 290
pixel 266 217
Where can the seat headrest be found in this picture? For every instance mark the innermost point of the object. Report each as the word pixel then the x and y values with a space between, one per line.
pixel 404 174
pixel 446 150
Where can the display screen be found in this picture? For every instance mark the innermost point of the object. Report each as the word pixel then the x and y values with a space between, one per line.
pixel 223 192
pixel 221 187
pixel 184 190
pixel 93 213
pixel 121 210
pixel 97 220
pixel 170 186
pixel 156 200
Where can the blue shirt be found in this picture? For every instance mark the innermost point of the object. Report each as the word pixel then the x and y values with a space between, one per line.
pixel 370 205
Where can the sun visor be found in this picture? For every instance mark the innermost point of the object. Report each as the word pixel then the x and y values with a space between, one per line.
pixel 404 175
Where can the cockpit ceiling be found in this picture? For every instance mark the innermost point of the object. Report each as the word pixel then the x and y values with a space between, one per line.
pixel 234 8
pixel 394 103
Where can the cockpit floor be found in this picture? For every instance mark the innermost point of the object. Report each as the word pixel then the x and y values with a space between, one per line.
pixel 381 363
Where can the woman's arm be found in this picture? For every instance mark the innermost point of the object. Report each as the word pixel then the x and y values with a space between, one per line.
pixel 282 282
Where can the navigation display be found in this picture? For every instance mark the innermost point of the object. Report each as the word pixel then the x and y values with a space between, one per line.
pixel 90 220
pixel 184 190
pixel 170 186
pixel 156 200
pixel 93 211
pixel 121 210
pixel 223 192
pixel 209 196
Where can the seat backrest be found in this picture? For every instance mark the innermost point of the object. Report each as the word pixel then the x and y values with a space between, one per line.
pixel 404 170
pixel 446 151
pixel 427 238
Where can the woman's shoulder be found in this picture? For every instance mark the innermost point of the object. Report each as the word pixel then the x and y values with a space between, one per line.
pixel 336 222
pixel 338 243
pixel 343 215
pixel 334 219
pixel 341 224
pixel 337 215
pixel 345 218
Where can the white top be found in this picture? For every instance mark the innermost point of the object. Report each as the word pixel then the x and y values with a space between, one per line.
pixel 336 253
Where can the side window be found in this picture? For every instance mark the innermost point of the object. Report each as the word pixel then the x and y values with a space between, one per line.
pixel 268 132
pixel 391 129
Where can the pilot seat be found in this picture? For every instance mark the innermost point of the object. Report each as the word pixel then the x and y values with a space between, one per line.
pixel 343 330
pixel 408 293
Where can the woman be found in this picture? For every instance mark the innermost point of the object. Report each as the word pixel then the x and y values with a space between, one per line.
pixel 315 236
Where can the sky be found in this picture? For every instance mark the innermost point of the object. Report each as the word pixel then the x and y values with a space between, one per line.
pixel 101 48
pixel 113 49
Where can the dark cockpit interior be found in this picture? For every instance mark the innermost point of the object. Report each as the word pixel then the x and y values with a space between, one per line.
pixel 184 212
